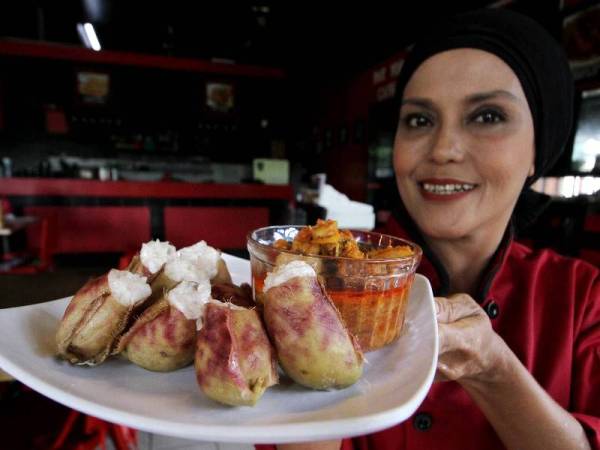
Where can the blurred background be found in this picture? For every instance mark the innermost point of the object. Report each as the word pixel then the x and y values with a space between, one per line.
pixel 126 121
pixel 123 121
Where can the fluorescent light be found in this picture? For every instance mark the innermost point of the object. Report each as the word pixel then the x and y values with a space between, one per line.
pixel 91 34
pixel 83 36
pixel 88 35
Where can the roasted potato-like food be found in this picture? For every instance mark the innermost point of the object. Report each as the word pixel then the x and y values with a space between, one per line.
pixel 98 314
pixel 313 345
pixel 163 338
pixel 235 362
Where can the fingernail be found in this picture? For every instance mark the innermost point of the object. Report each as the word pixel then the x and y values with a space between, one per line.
pixel 437 308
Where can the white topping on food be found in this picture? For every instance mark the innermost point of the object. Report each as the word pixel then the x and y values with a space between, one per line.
pixel 190 298
pixel 283 273
pixel 155 254
pixel 447 189
pixel 128 288
pixel 205 256
pixel 181 269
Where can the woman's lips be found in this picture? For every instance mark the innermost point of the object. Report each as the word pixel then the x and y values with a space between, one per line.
pixel 443 189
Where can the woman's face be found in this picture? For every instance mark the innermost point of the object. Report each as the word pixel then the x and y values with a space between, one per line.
pixel 464 144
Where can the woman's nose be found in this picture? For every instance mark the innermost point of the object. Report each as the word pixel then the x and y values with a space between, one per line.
pixel 446 145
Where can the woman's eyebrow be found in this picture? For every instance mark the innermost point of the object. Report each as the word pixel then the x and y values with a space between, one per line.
pixel 473 98
pixel 488 95
pixel 417 101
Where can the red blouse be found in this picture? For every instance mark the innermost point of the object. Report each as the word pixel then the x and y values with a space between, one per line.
pixel 547 309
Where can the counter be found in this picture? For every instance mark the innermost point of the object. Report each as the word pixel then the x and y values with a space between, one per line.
pixel 117 216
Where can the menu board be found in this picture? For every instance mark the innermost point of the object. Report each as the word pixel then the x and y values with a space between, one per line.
pixel 220 97
pixel 93 87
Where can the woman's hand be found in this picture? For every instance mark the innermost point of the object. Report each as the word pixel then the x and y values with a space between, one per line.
pixel 521 412
pixel 469 348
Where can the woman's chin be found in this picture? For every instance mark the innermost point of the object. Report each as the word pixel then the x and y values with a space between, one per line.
pixel 444 235
pixel 432 230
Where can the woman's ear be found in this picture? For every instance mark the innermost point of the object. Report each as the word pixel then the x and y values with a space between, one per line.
pixel 531 170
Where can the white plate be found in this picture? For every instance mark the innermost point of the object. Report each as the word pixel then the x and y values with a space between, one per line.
pixel 395 382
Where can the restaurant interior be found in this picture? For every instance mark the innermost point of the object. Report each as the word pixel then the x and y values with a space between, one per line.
pixel 122 122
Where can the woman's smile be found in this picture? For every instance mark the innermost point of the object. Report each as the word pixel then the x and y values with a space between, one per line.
pixel 444 189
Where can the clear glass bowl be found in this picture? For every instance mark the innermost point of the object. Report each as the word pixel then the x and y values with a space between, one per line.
pixel 371 294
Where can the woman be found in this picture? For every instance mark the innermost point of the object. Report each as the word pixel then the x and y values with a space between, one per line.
pixel 485 109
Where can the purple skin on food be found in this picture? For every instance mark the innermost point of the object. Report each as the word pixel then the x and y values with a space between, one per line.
pixel 313 345
pixel 235 362
pixel 161 339
pixel 215 348
pixel 171 330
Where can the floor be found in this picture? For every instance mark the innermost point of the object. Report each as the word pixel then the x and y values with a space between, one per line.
pixel 17 404
pixel 18 290
pixel 70 272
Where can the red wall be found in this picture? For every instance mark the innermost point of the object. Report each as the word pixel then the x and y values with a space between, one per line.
pixel 347 105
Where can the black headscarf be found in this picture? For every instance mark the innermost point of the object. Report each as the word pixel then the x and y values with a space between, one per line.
pixel 540 65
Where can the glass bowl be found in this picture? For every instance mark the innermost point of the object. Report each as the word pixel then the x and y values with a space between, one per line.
pixel 371 294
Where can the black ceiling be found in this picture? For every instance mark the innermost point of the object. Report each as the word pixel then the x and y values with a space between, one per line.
pixel 325 39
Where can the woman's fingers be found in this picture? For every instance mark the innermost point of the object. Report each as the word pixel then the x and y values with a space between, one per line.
pixel 469 348
pixel 445 339
pixel 456 307
pixel 439 376
pixel 457 336
pixel 467 341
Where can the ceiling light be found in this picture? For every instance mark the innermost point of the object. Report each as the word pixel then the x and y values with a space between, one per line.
pixel 88 36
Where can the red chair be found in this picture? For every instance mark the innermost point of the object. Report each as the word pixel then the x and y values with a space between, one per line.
pixel 91 433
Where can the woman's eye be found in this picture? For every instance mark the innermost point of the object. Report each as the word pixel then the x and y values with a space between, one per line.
pixel 488 116
pixel 416 121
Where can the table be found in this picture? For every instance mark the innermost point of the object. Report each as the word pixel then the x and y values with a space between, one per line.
pixel 89 216
pixel 13 224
